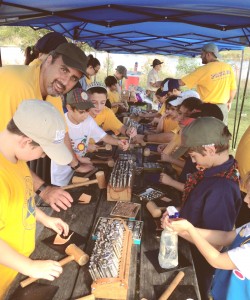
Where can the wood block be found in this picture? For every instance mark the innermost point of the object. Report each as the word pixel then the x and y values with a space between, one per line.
pixel 119 194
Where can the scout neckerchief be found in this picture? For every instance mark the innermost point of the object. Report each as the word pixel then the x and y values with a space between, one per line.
pixel 193 179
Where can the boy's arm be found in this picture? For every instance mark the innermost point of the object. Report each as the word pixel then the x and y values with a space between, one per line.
pixel 54 223
pixel 203 238
pixel 38 269
pixel 123 144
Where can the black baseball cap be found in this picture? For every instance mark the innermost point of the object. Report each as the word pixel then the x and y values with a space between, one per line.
pixel 73 57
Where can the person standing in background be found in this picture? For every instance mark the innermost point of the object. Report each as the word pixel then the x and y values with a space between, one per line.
pixel 215 81
pixel 93 67
pixel 153 79
pixel 42 48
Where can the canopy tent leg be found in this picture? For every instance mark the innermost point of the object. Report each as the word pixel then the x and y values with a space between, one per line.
pixel 237 100
pixel 242 104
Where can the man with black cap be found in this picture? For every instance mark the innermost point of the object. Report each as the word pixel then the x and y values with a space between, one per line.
pixel 153 79
pixel 56 76
pixel 215 81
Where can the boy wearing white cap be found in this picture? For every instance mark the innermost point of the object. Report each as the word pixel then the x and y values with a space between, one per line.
pixel 37 128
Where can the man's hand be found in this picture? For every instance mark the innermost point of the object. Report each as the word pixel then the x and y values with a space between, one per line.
pixel 56 197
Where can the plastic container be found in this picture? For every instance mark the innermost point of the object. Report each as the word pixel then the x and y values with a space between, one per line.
pixel 168 252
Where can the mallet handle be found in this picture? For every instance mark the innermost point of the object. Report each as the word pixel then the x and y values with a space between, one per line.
pixel 30 280
pixel 172 286
pixel 71 186
pixel 89 297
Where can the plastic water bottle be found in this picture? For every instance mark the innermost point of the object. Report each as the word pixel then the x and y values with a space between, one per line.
pixel 168 253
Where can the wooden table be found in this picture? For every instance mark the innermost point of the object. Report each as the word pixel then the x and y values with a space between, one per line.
pixel 75 281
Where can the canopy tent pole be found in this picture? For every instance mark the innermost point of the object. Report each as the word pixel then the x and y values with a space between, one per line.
pixel 242 104
pixel 108 65
pixel 237 100
pixel 0 58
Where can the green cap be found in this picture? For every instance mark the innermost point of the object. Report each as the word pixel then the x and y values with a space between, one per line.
pixel 203 131
pixel 73 57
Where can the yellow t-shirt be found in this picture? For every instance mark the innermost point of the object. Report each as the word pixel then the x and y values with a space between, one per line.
pixel 113 97
pixel 18 83
pixel 17 213
pixel 162 109
pixel 170 125
pixel 213 81
pixel 108 121
pixel 243 157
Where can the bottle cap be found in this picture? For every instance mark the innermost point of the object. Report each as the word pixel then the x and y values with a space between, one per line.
pixel 172 212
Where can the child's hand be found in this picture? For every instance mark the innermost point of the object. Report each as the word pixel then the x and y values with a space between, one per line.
pixel 132 132
pixel 45 269
pixel 180 225
pixel 165 179
pixel 123 144
pixel 57 224
pixel 160 148
pixel 165 220
pixel 92 148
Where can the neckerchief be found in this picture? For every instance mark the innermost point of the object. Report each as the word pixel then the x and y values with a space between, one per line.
pixel 193 179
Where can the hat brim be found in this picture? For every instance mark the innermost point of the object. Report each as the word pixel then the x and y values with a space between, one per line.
pixel 176 102
pixel 72 64
pixel 179 152
pixel 83 105
pixel 59 153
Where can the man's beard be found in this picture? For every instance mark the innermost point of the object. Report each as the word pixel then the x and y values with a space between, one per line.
pixel 53 89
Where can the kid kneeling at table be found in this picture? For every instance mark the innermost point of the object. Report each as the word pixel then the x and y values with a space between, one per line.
pixel 232 276
pixel 81 127
pixel 211 197
pixel 36 128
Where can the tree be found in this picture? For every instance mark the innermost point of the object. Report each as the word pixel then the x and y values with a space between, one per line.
pixel 186 65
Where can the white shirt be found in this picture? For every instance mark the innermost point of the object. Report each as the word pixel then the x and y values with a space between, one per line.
pixel 153 77
pixel 79 135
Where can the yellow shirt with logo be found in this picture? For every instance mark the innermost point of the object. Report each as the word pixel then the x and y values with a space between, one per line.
pixel 114 97
pixel 107 120
pixel 243 158
pixel 18 83
pixel 17 214
pixel 213 82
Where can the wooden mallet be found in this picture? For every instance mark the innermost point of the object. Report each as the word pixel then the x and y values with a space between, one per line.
pixel 73 252
pixel 100 180
pixel 147 152
pixel 172 286
pixel 106 147
pixel 109 162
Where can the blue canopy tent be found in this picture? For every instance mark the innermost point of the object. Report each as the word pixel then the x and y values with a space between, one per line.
pixel 126 26
pixel 161 27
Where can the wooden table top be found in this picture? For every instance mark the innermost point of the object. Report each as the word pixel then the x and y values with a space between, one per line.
pixel 144 280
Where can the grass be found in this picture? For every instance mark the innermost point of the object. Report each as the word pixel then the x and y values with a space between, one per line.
pixel 244 122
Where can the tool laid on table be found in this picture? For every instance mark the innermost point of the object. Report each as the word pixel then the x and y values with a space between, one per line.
pixel 147 152
pixel 100 180
pixel 73 252
pixel 107 147
pixel 109 162
pixel 172 286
